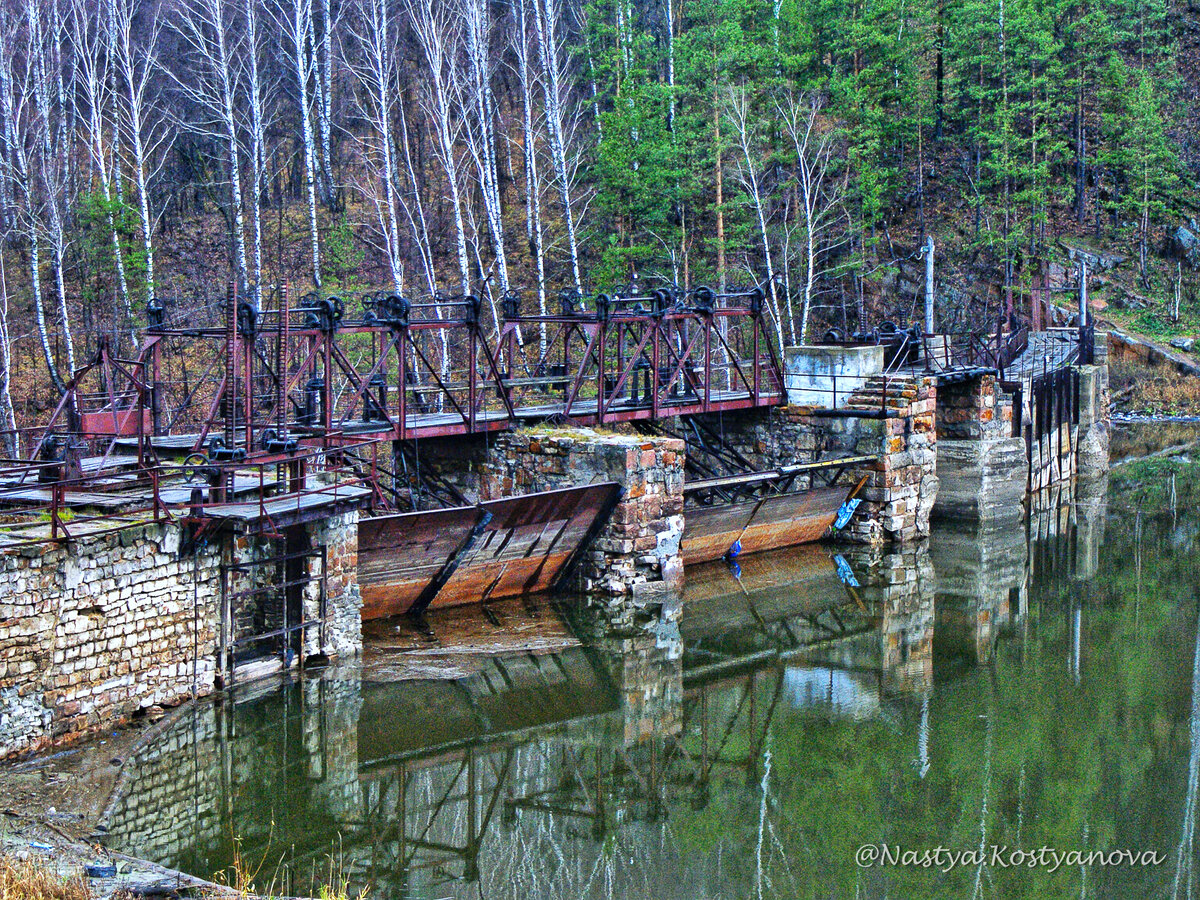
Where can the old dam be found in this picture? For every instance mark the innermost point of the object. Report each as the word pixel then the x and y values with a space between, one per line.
pixel 595 603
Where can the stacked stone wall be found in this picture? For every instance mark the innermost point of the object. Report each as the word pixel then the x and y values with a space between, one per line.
pixel 341 634
pixel 901 483
pixel 94 630
pixel 781 436
pixel 636 554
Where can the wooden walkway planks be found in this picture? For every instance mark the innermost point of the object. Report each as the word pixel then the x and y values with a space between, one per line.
pixel 290 507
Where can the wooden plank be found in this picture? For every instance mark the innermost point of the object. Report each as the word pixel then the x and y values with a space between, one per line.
pixel 782 520
pixel 520 550
pixel 400 556
pixel 279 507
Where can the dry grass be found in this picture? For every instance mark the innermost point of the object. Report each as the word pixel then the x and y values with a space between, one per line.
pixel 1153 392
pixel 34 880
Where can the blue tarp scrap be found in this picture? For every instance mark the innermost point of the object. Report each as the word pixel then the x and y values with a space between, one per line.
pixel 845 511
pixel 845 573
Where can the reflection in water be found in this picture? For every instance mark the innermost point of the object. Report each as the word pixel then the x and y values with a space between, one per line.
pixel 1002 688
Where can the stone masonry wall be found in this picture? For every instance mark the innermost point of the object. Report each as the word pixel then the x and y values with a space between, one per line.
pixel 981 466
pixel 636 556
pixel 902 483
pixel 343 599
pixel 93 631
pixel 974 409
pixel 781 436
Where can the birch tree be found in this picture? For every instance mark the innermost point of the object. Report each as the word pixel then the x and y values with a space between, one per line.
pixel 437 31
pixel 480 132
pixel 554 57
pixel 8 418
pixel 211 83
pixel 22 121
pixel 92 45
pixel 296 23
pixel 54 134
pixel 526 78
pixel 750 172
pixel 141 119
pixel 372 36
pixel 324 91
pixel 819 194
pixel 259 93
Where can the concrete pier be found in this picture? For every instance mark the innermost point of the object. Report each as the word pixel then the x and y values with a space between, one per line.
pixel 981 465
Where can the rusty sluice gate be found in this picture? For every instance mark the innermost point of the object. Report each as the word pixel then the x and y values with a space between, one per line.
pixel 500 548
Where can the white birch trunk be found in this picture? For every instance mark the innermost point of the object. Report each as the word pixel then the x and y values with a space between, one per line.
pixel 137 74
pixel 205 33
pixel 302 69
pixel 553 57
pixel 93 50
pixel 376 73
pixel 738 110
pixel 533 185
pixel 8 417
pixel 434 31
pixel 257 145
pixel 483 134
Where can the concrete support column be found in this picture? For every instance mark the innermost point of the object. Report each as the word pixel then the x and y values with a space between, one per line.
pixel 1093 434
pixel 634 562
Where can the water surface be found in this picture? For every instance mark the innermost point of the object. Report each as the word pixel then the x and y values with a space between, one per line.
pixel 1033 686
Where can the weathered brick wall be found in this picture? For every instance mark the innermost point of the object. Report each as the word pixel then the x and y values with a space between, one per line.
pixel 981 466
pixel 92 631
pixel 974 409
pixel 636 555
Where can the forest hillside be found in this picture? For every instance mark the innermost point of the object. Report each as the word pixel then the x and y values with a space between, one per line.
pixel 169 148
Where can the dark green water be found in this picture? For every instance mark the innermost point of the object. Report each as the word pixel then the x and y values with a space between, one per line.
pixel 1034 687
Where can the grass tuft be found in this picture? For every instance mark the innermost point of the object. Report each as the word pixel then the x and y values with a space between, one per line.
pixel 34 880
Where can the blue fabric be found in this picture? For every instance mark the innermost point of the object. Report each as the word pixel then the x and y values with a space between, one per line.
pixel 844 513
pixel 845 573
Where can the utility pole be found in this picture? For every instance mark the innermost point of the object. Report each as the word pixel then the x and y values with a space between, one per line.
pixel 1083 298
pixel 927 251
